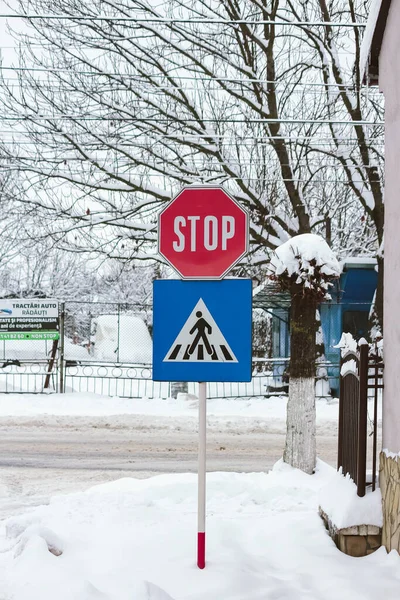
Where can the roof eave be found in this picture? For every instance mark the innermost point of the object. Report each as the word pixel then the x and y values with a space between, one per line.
pixel 371 68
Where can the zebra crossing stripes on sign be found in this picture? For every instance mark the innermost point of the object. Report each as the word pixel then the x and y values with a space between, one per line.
pixel 200 340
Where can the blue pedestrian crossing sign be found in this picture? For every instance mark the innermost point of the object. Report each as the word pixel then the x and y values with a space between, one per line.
pixel 202 330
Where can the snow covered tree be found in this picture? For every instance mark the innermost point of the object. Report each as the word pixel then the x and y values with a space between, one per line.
pixel 43 271
pixel 10 226
pixel 127 282
pixel 357 148
pixel 124 102
pixel 305 266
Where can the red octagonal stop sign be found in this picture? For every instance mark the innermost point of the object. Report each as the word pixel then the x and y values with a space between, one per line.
pixel 203 233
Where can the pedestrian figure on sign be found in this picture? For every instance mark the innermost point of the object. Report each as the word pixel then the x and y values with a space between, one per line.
pixel 200 340
pixel 201 326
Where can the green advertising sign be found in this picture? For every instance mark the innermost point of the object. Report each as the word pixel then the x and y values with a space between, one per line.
pixel 29 319
pixel 29 335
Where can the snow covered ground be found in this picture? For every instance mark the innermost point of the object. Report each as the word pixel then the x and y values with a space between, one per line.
pixel 135 539
pixel 90 404
pixel 245 414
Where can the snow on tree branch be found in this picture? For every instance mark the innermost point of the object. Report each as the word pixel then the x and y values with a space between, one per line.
pixel 116 117
pixel 308 262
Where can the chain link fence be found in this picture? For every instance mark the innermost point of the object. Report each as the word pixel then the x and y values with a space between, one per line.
pixel 106 348
pixel 108 332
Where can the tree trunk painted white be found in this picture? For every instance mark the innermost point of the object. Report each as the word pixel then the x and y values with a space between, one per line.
pixel 300 446
pixel 300 434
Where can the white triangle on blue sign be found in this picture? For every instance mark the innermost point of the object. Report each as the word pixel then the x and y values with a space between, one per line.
pixel 200 340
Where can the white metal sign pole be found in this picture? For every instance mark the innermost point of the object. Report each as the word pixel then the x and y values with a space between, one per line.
pixel 201 507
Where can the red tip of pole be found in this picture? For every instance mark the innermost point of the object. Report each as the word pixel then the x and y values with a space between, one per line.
pixel 201 550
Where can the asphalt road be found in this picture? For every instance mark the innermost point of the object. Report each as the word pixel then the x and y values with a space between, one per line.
pixel 41 457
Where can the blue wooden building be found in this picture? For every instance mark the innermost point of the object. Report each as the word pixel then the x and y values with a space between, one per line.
pixel 351 304
pixel 348 311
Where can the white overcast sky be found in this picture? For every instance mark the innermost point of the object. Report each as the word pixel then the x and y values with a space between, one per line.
pixel 7 42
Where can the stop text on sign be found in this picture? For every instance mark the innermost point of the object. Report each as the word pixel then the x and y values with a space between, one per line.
pixel 211 232
pixel 203 232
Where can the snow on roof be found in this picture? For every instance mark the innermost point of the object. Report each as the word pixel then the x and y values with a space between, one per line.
pixel 369 31
pixel 372 40
pixel 359 262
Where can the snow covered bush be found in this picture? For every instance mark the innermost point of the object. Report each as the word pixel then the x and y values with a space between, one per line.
pixel 306 261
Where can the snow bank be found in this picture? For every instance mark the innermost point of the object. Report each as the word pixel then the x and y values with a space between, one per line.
pixel 340 503
pixel 136 540
pixel 244 415
pixel 89 404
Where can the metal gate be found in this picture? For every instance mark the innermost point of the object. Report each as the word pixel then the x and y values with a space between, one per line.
pixel 360 373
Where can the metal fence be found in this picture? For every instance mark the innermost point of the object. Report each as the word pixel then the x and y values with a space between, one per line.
pixel 28 376
pixel 361 378
pixel 106 348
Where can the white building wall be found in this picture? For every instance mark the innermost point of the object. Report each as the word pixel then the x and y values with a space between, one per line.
pixel 389 82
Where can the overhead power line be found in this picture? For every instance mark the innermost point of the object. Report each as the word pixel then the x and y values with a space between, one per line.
pixel 224 138
pixel 101 181
pixel 149 88
pixel 191 21
pixel 262 142
pixel 348 86
pixel 130 162
pixel 177 121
